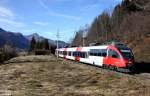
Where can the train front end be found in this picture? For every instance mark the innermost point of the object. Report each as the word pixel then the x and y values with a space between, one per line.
pixel 127 56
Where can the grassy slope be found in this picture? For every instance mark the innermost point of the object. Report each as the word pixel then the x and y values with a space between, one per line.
pixel 63 78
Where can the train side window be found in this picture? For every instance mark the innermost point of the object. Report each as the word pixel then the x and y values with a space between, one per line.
pixel 99 52
pixel 70 53
pixel 83 54
pixel 87 54
pixel 64 52
pixel 80 54
pixel 94 52
pixel 91 53
pixel 104 52
pixel 73 53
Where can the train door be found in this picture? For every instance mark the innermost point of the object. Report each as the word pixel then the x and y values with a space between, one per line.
pixel 76 54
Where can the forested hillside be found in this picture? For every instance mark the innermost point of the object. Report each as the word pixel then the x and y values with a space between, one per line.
pixel 129 23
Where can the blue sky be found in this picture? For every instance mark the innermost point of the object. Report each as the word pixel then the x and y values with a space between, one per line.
pixel 45 17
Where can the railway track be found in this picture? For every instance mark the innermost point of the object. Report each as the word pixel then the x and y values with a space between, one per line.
pixel 143 76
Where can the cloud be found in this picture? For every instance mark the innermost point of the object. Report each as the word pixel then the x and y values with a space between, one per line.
pixel 28 31
pixel 64 16
pixel 8 18
pixel 85 9
pixel 52 13
pixel 6 13
pixel 43 4
pixel 11 23
pixel 40 23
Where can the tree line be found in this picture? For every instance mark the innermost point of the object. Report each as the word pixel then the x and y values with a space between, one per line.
pixel 112 26
pixel 41 47
pixel 34 45
pixel 128 23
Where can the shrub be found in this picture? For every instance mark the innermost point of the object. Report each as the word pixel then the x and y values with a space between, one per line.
pixel 42 52
pixel 7 52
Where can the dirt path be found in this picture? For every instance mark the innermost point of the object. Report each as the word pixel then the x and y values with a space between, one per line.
pixel 47 76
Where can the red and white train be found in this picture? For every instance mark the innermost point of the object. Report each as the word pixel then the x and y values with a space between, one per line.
pixel 115 56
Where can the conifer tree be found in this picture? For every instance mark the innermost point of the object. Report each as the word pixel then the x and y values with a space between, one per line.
pixel 45 44
pixel 33 44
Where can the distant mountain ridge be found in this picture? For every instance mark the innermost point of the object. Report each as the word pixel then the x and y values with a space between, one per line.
pixel 15 39
pixel 51 42
pixel 20 41
pixel 36 36
pixel 1 30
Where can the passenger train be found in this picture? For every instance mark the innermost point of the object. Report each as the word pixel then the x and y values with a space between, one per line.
pixel 114 56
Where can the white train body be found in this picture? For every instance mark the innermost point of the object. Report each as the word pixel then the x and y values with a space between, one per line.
pixel 105 55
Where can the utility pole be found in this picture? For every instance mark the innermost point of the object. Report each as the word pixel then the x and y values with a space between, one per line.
pixel 57 41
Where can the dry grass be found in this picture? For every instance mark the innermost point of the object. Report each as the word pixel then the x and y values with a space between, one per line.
pixel 63 78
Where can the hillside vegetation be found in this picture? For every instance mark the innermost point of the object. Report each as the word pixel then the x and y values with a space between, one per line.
pixel 129 23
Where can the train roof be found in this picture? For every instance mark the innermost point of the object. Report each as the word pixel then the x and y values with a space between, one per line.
pixel 117 45
pixel 87 47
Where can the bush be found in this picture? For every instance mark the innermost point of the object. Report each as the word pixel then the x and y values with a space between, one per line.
pixel 42 52
pixel 7 52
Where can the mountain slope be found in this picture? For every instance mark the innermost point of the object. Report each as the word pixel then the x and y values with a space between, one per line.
pixel 51 42
pixel 36 36
pixel 20 41
pixel 17 40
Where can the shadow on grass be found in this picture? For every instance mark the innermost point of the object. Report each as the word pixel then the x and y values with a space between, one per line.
pixel 142 67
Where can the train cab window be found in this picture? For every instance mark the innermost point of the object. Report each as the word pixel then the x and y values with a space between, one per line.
pixel 113 54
